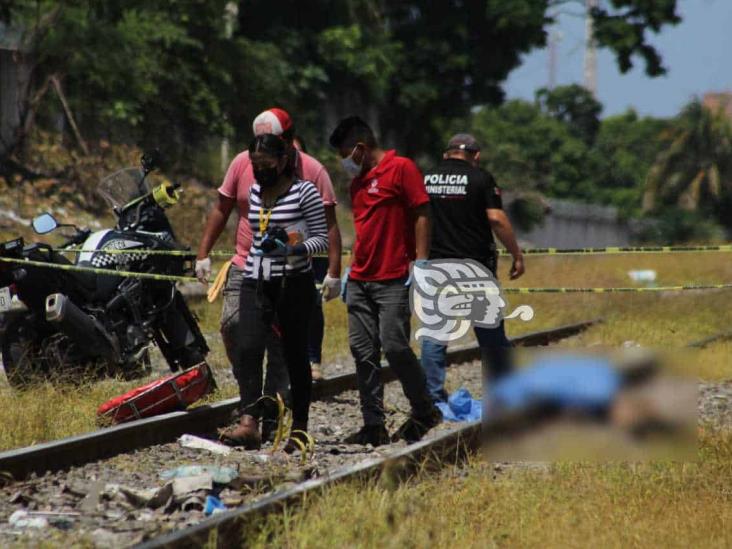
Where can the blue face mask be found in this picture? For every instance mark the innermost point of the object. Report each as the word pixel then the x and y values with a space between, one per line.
pixel 350 166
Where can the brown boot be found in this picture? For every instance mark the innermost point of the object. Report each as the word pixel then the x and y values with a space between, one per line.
pixel 244 433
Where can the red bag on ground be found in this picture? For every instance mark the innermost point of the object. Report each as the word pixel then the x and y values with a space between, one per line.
pixel 174 392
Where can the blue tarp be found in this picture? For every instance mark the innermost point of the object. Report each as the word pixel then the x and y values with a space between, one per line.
pixel 588 383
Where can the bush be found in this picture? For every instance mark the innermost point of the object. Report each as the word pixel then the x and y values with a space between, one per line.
pixel 674 226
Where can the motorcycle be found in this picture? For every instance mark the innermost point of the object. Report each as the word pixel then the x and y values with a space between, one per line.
pixel 56 321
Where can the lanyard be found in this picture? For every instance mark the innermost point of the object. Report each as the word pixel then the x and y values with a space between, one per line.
pixel 264 219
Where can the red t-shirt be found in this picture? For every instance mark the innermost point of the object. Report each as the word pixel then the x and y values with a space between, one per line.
pixel 383 200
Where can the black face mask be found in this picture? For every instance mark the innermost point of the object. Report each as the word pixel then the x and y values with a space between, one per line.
pixel 266 177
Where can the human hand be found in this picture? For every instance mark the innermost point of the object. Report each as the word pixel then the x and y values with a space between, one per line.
pixel 331 287
pixel 203 270
pixel 517 267
pixel 418 264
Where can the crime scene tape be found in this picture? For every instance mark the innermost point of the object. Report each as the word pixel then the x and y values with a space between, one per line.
pixel 681 288
pixel 608 250
pixel 623 250
pixel 535 290
pixel 97 270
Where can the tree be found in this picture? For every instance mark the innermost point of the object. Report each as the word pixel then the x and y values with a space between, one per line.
pixel 695 171
pixel 169 72
pixel 527 149
pixel 624 150
pixel 575 106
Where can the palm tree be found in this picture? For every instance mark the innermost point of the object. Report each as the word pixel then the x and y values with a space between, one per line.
pixel 695 171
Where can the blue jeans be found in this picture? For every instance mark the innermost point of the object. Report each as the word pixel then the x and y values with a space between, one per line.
pixel 495 356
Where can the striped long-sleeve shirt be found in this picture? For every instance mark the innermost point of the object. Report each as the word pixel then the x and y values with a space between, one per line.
pixel 300 209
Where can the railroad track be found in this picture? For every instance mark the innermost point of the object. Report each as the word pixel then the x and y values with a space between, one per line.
pixel 143 446
pixel 77 450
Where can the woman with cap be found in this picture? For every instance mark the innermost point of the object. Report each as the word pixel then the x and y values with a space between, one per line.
pixel 288 224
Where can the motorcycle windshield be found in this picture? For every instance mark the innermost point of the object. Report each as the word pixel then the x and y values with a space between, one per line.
pixel 122 187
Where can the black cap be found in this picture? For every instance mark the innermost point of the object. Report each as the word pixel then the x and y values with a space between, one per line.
pixel 463 142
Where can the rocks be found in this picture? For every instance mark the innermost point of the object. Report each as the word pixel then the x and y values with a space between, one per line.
pixel 715 404
pixel 123 500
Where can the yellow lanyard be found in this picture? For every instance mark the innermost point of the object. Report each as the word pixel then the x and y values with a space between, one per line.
pixel 264 219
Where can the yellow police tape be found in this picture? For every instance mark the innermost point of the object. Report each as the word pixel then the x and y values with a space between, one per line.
pixel 530 251
pixel 536 290
pixel 97 270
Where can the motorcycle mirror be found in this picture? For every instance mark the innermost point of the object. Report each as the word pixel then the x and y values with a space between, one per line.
pixel 150 160
pixel 44 223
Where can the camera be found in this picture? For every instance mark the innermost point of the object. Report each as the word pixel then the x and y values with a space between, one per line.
pixel 274 238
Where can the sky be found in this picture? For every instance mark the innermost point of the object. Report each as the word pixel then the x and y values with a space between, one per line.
pixel 697 53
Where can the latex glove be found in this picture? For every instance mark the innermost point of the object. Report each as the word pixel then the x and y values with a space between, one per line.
pixel 418 264
pixel 344 283
pixel 331 287
pixel 203 269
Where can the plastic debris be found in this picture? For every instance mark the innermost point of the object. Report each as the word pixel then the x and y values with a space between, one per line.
pixel 193 503
pixel 187 485
pixel 198 443
pixel 220 475
pixel 643 275
pixel 23 519
pixel 152 498
pixel 213 505
pixel 42 519
pixel 461 406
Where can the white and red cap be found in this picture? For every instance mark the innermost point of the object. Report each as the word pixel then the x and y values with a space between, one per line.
pixel 275 121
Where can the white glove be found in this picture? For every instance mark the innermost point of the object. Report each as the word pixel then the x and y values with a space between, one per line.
pixel 203 269
pixel 331 288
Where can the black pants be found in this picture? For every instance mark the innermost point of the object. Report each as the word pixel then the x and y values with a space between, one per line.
pixel 292 301
pixel 317 320
pixel 378 319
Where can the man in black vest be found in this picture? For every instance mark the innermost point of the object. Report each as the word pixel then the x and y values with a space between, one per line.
pixel 466 211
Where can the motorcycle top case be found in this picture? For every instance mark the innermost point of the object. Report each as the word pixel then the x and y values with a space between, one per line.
pixel 171 393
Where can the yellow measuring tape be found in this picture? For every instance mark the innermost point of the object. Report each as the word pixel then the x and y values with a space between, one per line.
pixel 221 279
pixel 608 250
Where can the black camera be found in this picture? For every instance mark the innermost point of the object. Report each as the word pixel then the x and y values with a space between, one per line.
pixel 273 238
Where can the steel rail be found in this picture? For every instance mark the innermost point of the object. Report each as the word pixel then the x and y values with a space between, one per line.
pixel 105 443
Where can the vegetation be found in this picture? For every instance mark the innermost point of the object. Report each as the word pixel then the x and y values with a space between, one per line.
pixel 676 171
pixel 660 504
pixel 179 73
pixel 665 321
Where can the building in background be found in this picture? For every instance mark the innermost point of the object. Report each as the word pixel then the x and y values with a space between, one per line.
pixel 716 101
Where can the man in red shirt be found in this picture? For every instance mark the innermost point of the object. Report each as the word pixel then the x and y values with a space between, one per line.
pixel 391 218
pixel 234 193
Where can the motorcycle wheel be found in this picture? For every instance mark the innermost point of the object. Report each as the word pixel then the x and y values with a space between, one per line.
pixel 22 356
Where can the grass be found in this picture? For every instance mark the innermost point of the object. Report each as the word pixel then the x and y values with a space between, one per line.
pixel 668 320
pixel 562 505
pixel 568 504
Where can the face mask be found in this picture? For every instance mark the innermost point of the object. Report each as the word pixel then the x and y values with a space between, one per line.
pixel 266 177
pixel 349 164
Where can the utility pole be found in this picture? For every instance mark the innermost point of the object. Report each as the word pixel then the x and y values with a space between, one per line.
pixel 231 11
pixel 590 68
pixel 555 37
